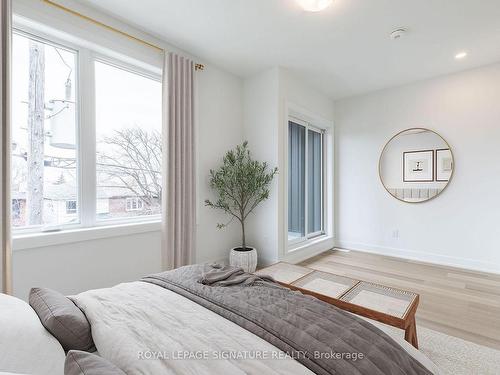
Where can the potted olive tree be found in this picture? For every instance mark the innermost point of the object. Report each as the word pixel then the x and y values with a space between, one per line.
pixel 240 184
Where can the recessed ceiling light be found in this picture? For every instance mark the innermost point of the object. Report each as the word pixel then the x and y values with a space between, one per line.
pixel 314 5
pixel 461 55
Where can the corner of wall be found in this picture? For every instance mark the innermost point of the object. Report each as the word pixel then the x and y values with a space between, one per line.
pixel 261 116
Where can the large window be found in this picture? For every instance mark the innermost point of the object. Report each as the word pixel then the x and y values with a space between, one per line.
pixel 305 181
pixel 77 115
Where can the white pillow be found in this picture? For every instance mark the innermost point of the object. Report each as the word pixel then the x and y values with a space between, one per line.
pixel 26 347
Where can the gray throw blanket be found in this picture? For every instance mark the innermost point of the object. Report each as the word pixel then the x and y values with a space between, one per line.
pixel 227 276
pixel 322 337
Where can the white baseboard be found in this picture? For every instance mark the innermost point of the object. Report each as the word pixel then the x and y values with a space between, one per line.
pixel 444 260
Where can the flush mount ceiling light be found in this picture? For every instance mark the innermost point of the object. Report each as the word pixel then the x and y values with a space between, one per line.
pixel 314 5
pixel 461 55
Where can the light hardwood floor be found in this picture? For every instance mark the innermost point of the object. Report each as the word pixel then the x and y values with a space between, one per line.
pixel 454 301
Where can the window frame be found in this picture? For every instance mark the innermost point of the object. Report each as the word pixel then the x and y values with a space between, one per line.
pixel 86 131
pixel 308 125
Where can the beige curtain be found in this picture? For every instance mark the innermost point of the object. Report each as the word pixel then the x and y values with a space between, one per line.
pixel 5 37
pixel 179 192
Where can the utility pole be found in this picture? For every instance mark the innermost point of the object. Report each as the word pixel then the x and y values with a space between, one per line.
pixel 36 133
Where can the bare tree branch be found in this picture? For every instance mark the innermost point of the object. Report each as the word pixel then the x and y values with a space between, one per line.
pixel 131 159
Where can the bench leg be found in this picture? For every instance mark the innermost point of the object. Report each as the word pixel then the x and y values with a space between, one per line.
pixel 411 333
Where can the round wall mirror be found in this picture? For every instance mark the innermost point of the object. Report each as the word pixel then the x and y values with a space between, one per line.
pixel 416 165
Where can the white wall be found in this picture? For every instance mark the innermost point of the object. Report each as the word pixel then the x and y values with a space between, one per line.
pixel 77 266
pixel 260 129
pixel 220 114
pixel 460 227
pixel 293 91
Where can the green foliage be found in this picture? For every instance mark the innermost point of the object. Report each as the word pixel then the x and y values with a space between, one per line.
pixel 241 183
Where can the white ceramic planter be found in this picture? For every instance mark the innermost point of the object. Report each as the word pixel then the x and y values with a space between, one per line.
pixel 244 259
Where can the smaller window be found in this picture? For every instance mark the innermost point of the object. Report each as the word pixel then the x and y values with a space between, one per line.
pixel 305 181
pixel 71 207
pixel 134 204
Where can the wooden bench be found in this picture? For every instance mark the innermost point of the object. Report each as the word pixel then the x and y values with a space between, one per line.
pixel 395 307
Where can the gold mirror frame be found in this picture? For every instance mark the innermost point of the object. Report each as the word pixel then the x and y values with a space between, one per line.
pixel 398 134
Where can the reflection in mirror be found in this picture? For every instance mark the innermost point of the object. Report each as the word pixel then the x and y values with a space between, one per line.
pixel 416 165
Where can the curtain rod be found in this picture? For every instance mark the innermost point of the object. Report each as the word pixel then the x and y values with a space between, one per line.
pixel 111 28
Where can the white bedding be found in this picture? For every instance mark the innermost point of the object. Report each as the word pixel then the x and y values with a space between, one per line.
pixel 26 347
pixel 138 326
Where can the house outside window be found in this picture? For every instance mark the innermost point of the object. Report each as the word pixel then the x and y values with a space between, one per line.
pixel 134 204
pixel 16 208
pixel 71 207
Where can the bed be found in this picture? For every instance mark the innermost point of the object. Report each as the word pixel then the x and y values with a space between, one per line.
pixel 176 323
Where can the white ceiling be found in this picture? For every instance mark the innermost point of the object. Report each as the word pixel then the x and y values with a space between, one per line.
pixel 343 51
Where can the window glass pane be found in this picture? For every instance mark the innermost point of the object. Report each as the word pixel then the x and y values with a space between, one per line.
pixel 128 135
pixel 314 181
pixel 44 156
pixel 296 180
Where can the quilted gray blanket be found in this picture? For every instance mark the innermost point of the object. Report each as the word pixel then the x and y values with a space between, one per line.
pixel 325 339
pixel 227 276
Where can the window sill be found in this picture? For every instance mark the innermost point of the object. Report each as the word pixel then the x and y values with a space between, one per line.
pixel 297 246
pixel 298 252
pixel 36 240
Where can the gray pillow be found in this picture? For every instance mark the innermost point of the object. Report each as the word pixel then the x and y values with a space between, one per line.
pixel 62 318
pixel 85 363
